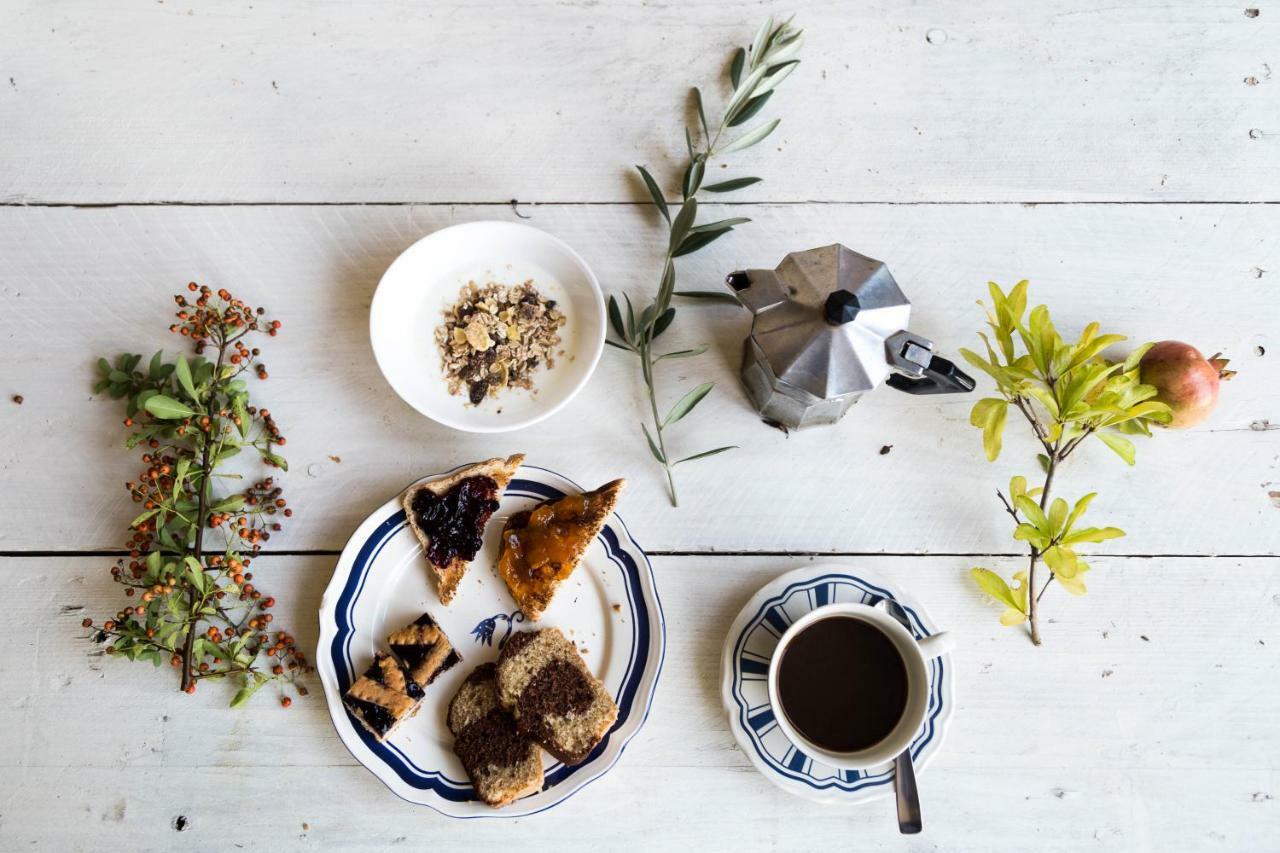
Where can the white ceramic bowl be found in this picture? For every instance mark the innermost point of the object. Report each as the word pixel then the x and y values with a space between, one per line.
pixel 425 280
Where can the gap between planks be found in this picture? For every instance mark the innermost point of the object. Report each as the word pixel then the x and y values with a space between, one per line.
pixel 588 203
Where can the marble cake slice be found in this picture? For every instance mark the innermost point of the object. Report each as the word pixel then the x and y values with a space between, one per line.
pixel 503 764
pixel 383 697
pixel 555 699
pixel 423 649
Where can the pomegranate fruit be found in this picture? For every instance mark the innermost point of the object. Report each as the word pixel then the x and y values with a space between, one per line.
pixel 1187 381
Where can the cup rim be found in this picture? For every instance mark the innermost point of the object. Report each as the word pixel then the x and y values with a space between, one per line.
pixel 898 739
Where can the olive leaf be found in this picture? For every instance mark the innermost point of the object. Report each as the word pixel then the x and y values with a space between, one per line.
pixel 704 454
pixel 686 403
pixel 655 193
pixel 755 74
pixel 731 185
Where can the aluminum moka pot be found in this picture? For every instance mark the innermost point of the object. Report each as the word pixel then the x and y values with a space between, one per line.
pixel 829 325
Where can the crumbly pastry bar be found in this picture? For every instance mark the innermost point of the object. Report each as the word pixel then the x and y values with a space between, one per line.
pixel 383 697
pixel 423 649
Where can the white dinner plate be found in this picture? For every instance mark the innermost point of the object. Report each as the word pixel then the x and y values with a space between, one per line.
pixel 608 607
pixel 426 279
pixel 744 668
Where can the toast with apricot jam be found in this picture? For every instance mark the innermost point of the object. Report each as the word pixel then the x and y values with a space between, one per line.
pixel 541 547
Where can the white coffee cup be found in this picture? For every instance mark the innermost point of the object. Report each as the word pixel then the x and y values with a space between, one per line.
pixel 915 654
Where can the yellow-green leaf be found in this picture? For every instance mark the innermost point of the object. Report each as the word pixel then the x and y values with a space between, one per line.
pixel 1012 617
pixel 1026 533
pixel 1062 561
pixel 1034 514
pixel 1074 585
pixel 1078 510
pixel 1121 445
pixel 993 432
pixel 1017 486
pixel 1093 534
pixel 1057 516
pixel 994 585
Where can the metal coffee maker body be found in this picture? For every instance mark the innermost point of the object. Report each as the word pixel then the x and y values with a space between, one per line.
pixel 830 325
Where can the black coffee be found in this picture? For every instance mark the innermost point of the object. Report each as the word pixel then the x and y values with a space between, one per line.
pixel 842 684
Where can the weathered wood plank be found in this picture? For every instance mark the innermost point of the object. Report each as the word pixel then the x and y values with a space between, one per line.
pixel 553 101
pixel 1128 730
pixel 77 283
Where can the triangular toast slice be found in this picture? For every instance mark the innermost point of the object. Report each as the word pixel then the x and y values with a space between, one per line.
pixel 541 547
pixel 449 515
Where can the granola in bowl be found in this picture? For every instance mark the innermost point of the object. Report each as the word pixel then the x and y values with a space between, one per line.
pixel 496 336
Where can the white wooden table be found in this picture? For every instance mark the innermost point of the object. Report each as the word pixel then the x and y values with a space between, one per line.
pixel 1123 156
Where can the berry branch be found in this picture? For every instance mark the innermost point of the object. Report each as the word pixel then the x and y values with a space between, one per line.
pixel 199 607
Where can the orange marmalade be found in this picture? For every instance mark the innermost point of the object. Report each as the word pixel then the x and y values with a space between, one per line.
pixel 540 546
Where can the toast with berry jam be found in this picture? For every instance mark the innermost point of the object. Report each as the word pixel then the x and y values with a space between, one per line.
pixel 541 547
pixel 449 515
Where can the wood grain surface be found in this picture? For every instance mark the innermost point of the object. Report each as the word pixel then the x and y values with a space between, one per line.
pixel 1121 156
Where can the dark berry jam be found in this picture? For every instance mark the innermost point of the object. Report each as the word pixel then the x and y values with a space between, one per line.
pixel 454 522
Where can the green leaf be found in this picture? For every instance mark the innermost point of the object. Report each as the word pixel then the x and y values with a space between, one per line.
pixel 153 369
pixel 984 410
pixel 751 137
pixel 1122 446
pixel 245 693
pixel 615 319
pixel 278 460
pixel 196 574
pixel 710 296
pixel 719 225
pixel 683 222
pixel 757 43
pixel 183 371
pixel 694 242
pixel 730 185
pixel 654 192
pixel 1092 534
pixel 684 353
pixel 143 516
pixel 653 447
pixel 1134 358
pixel 693 176
pixel 660 325
pixel 735 66
pixel 750 109
pixel 167 408
pixel 704 454
pixel 104 367
pixel 686 403
pixel 702 114
pixel 238 409
pixel 996 373
pixel 777 73
pixel 230 504
pixel 631 318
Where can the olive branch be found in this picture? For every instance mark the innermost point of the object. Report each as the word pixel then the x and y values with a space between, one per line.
pixel 769 61
pixel 1067 392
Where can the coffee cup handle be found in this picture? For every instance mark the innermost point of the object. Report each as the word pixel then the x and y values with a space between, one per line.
pixel 937 645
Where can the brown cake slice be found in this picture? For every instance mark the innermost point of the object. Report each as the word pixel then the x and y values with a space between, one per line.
pixel 556 700
pixel 383 697
pixel 449 515
pixel 503 764
pixel 541 547
pixel 423 649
